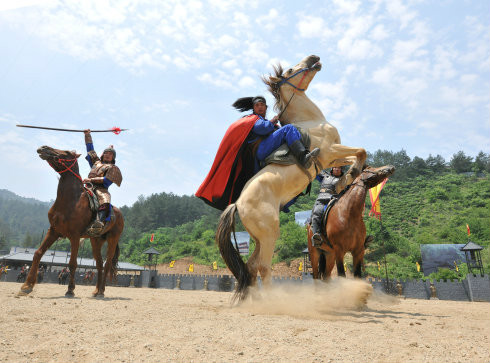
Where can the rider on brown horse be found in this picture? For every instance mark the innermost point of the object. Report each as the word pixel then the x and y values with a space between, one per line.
pixel 104 172
pixel 327 191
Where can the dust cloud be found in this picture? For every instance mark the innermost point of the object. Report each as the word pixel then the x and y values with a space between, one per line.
pixel 318 300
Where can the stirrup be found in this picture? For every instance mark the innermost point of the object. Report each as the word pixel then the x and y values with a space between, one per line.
pixel 95 229
pixel 309 157
pixel 316 240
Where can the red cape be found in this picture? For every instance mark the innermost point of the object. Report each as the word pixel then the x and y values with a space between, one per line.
pixel 227 178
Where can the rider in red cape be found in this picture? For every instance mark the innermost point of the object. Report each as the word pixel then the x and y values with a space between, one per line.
pixel 246 143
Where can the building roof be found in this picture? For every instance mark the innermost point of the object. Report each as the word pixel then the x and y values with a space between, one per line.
pixel 152 251
pixel 471 246
pixel 59 258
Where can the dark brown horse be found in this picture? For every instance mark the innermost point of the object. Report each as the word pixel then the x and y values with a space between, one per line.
pixel 345 227
pixel 69 217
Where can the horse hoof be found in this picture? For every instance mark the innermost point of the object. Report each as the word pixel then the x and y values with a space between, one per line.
pixel 24 292
pixel 69 294
pixel 99 296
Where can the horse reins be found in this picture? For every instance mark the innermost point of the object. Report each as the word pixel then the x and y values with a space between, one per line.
pixel 67 168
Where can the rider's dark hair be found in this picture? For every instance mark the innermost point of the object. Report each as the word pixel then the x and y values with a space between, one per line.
pixel 247 103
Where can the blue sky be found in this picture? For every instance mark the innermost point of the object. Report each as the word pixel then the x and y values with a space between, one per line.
pixel 410 75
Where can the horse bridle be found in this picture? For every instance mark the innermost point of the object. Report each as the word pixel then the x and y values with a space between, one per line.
pixel 286 80
pixel 67 168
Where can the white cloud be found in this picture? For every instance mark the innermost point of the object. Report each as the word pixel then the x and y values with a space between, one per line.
pixel 270 20
pixel 6 5
pixel 312 27
pixel 400 12
pixel 247 82
pixel 379 33
pixel 347 6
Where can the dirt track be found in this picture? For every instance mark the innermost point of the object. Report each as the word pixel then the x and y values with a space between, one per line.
pixel 293 324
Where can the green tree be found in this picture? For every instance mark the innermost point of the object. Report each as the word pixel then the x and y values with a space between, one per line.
pixel 461 163
pixel 436 164
pixel 482 163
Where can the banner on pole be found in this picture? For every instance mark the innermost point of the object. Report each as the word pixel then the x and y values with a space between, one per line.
pixel 374 193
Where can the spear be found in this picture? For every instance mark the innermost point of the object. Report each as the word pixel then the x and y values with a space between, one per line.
pixel 115 130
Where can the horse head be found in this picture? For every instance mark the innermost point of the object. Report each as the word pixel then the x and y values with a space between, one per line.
pixel 373 176
pixel 284 84
pixel 60 160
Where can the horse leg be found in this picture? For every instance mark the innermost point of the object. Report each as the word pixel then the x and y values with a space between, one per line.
pixel 315 262
pixel 329 264
pixel 339 260
pixel 261 220
pixel 342 151
pixel 253 263
pixel 358 259
pixel 96 252
pixel 75 243
pixel 49 239
pixel 111 251
pixel 314 254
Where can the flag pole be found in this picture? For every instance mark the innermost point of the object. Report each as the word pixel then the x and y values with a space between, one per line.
pixel 388 285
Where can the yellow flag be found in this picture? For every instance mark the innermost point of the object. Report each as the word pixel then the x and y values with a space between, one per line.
pixel 418 266
pixel 172 264
pixel 345 266
pixel 379 266
pixel 374 196
pixel 215 265
pixel 300 268
pixel 191 267
pixel 456 266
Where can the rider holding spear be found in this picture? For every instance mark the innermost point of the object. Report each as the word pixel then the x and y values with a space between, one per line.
pixel 104 172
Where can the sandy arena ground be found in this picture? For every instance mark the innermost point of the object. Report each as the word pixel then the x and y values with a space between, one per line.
pixel 289 324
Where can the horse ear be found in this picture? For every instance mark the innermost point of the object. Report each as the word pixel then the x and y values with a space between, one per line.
pixel 77 155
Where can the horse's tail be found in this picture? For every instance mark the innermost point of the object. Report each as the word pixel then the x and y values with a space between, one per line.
pixel 230 254
pixel 115 260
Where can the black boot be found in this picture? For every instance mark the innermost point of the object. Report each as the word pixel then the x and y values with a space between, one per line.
pixel 302 155
pixel 103 212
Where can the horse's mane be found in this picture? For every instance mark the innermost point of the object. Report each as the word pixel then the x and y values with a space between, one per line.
pixel 272 82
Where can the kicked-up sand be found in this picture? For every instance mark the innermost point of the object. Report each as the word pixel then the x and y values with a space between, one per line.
pixel 288 323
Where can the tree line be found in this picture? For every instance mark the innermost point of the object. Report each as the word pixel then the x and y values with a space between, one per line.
pixel 426 201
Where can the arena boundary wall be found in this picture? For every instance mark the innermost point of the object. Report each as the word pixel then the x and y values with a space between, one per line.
pixel 473 288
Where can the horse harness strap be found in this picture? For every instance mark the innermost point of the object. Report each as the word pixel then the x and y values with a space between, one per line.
pixel 286 80
pixel 324 220
pixel 67 168
pixel 92 198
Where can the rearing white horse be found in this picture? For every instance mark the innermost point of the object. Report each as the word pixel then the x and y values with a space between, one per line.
pixel 273 186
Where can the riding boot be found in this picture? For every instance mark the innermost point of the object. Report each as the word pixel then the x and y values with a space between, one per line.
pixel 103 213
pixel 316 222
pixel 302 154
pixel 99 222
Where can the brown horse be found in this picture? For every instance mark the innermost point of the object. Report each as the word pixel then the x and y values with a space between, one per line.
pixel 345 227
pixel 69 217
